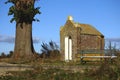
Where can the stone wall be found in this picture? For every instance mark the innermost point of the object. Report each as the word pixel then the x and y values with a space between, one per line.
pixel 86 42
pixel 70 31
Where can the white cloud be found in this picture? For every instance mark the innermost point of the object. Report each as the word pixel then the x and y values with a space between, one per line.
pixel 11 39
pixel 113 39
pixel 36 40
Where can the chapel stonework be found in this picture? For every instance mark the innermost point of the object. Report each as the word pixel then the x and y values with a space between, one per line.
pixel 75 37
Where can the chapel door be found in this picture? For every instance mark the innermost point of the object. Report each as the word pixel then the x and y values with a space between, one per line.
pixel 68 48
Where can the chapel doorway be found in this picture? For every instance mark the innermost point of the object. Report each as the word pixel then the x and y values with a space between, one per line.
pixel 68 48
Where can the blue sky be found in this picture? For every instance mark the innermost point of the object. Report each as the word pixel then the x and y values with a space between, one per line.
pixel 104 15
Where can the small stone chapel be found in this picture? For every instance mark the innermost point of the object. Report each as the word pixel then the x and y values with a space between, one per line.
pixel 75 37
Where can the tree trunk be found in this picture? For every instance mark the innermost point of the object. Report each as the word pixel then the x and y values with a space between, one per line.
pixel 23 42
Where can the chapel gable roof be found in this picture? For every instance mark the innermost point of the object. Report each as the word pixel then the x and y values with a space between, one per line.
pixel 84 28
pixel 87 29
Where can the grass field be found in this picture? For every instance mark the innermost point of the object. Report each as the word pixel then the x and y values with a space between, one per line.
pixel 103 72
pixel 58 70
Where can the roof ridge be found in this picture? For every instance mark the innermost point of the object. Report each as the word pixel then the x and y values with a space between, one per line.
pixel 92 29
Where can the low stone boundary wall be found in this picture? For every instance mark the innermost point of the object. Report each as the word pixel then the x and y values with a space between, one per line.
pixel 14 67
pixel 79 68
pixel 5 67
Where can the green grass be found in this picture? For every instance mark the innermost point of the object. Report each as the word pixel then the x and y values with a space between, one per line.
pixel 57 74
pixel 105 72
pixel 50 74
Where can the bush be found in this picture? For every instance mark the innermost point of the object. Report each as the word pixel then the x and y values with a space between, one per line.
pixel 3 55
pixel 50 50
pixel 10 54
